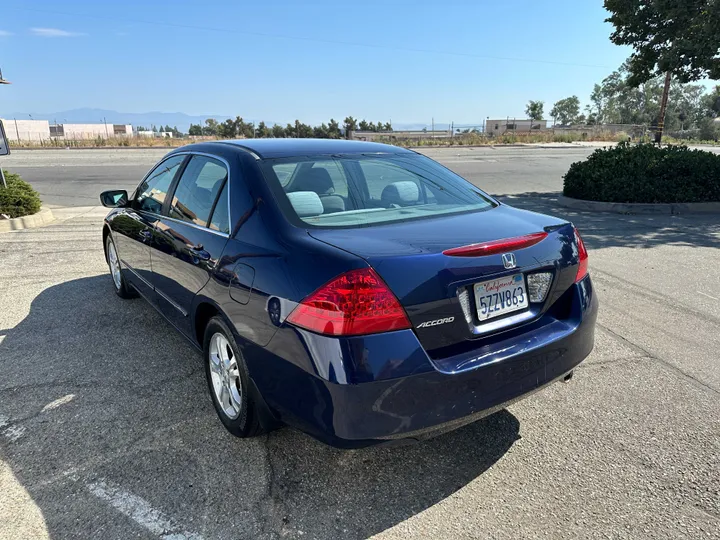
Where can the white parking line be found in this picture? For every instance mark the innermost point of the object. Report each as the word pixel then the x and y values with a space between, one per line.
pixel 704 294
pixel 140 511
pixel 12 433
pixel 60 401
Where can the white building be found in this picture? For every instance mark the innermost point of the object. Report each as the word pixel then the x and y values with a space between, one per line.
pixel 93 131
pixel 26 130
pixel 42 130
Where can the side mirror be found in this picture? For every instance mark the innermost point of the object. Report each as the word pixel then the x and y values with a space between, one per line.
pixel 115 198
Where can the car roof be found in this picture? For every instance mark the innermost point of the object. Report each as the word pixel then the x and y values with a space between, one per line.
pixel 273 148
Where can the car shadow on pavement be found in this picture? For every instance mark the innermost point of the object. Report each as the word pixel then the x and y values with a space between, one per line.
pixel 108 431
pixel 606 229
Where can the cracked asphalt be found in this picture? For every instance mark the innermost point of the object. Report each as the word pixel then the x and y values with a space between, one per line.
pixel 107 429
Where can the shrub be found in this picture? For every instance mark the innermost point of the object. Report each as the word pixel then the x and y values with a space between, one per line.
pixel 19 198
pixel 644 173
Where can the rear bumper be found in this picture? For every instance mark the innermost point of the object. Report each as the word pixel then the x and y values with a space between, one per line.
pixel 361 391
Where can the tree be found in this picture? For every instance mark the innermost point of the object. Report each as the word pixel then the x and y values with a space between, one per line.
pixel 676 36
pixel 263 131
pixel 566 111
pixel 278 131
pixel 711 103
pixel 227 130
pixel 210 128
pixel 388 126
pixel 616 101
pixel 142 128
pixel 534 110
pixel 350 124
pixel 321 132
pixel 195 130
pixel 364 126
pixel 303 131
pixel 334 129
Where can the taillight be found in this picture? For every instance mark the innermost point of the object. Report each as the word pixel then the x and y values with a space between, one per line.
pixel 582 255
pixel 496 246
pixel 354 303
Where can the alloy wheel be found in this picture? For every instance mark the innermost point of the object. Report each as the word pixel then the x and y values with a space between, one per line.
pixel 114 264
pixel 225 376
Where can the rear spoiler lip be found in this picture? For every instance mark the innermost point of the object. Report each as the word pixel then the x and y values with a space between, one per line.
pixel 494 247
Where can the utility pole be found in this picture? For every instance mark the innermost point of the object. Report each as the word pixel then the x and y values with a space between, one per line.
pixel 4 146
pixel 663 107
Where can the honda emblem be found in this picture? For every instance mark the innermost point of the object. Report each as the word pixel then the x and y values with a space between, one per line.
pixel 508 260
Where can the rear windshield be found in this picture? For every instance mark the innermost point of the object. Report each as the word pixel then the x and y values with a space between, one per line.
pixel 363 190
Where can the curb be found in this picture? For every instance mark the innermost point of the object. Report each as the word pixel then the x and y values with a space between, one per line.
pixel 640 208
pixel 545 146
pixel 43 217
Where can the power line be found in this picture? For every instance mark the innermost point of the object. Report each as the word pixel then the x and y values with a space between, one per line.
pixel 311 39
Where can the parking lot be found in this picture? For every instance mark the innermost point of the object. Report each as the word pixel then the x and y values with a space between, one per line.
pixel 107 429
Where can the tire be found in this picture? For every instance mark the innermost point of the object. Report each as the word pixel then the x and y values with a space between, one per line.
pixel 122 289
pixel 229 381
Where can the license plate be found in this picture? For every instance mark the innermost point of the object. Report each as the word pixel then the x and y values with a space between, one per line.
pixel 500 296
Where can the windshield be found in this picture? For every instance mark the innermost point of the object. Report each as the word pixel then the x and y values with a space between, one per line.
pixel 363 190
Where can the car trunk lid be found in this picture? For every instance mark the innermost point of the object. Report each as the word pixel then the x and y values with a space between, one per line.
pixel 430 284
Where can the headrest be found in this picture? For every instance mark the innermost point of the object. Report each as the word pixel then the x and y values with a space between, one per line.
pixel 314 179
pixel 306 203
pixel 401 193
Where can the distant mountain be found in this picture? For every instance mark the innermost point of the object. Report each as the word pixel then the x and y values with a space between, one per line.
pixel 94 116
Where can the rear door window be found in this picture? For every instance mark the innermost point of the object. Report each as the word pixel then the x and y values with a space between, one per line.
pixel 220 220
pixel 197 190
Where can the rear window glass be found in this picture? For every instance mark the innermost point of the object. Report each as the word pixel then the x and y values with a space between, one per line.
pixel 359 190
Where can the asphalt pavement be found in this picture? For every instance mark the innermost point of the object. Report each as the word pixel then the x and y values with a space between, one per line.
pixel 107 429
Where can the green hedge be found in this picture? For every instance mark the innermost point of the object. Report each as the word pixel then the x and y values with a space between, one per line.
pixel 18 199
pixel 644 173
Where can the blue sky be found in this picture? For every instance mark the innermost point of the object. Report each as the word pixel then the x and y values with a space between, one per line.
pixel 454 60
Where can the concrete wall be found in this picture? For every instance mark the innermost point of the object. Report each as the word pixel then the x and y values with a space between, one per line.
pixel 498 127
pixel 380 135
pixel 26 130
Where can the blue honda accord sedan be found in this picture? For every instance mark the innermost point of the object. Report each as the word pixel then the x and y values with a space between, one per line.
pixel 359 292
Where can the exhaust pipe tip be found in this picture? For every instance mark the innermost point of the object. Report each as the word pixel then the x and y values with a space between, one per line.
pixel 568 377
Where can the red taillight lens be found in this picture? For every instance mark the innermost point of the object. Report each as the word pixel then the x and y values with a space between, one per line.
pixel 496 246
pixel 356 302
pixel 583 256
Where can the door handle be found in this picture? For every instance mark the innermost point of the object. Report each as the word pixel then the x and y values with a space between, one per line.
pixel 199 253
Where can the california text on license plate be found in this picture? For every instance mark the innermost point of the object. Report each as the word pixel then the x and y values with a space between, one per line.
pixel 499 296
